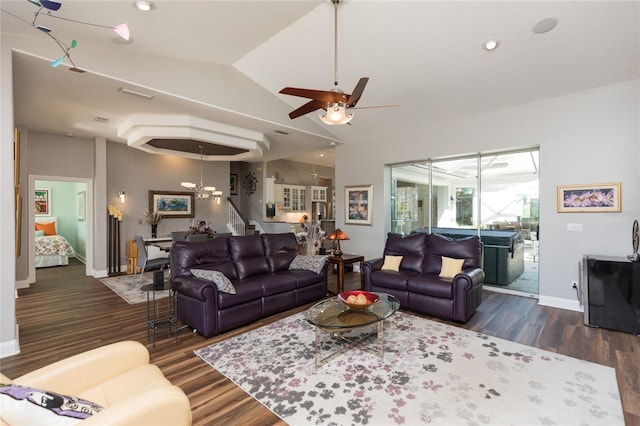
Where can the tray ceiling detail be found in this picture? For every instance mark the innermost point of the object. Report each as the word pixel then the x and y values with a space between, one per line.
pixel 182 135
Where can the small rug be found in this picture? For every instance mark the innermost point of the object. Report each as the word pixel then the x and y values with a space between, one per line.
pixel 123 286
pixel 431 373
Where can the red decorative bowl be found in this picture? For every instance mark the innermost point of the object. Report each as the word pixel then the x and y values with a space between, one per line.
pixel 359 299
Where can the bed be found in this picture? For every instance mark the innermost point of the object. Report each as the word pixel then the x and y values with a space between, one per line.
pixel 51 249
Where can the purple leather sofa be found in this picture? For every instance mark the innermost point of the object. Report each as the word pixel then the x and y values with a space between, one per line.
pixel 257 266
pixel 417 284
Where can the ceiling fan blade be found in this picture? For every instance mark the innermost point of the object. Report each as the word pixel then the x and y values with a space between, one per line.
pixel 357 92
pixel 318 95
pixel 307 108
pixel 376 106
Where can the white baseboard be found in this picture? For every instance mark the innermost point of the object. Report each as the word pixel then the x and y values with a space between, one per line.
pixel 11 347
pixel 22 284
pixel 557 302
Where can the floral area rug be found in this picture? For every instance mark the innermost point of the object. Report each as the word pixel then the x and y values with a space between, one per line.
pixel 124 286
pixel 431 373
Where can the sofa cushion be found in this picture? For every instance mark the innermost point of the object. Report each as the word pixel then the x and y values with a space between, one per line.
pixel 311 263
pixel 450 267
pixel 247 253
pixel 280 249
pixel 391 263
pixel 411 248
pixel 430 285
pixel 222 283
pixel 26 405
pixel 468 248
pixel 391 279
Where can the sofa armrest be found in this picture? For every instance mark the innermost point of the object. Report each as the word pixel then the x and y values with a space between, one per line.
pixel 467 279
pixel 196 288
pixel 366 268
pixel 75 374
pixel 165 405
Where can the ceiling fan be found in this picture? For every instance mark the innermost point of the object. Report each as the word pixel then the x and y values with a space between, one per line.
pixel 335 102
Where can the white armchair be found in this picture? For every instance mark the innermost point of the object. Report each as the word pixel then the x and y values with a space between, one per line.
pixel 119 378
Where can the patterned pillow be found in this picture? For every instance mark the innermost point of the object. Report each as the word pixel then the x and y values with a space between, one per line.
pixel 25 405
pixel 217 277
pixel 308 262
pixel 40 233
pixel 450 267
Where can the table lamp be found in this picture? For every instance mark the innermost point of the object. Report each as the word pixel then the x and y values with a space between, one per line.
pixel 338 236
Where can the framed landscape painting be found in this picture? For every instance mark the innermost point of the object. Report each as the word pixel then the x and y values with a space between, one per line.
pixel 358 201
pixel 172 204
pixel 591 198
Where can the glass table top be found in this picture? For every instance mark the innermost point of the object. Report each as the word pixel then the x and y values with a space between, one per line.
pixel 333 314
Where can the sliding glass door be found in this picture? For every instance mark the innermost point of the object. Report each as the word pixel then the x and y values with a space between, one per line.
pixel 485 192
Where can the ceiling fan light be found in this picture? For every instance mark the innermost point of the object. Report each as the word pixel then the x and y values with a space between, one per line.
pixel 210 188
pixel 122 30
pixel 336 114
pixel 187 184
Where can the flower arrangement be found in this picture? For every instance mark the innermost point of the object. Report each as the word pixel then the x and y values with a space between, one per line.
pixel 201 227
pixel 152 218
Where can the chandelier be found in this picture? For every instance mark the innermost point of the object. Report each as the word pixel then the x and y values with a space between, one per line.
pixel 202 192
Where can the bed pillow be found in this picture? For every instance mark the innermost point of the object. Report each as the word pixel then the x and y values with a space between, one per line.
pixel 309 262
pixel 391 263
pixel 49 228
pixel 40 233
pixel 25 405
pixel 450 267
pixel 218 278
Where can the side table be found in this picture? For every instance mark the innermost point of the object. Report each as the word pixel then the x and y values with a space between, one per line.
pixel 157 320
pixel 345 259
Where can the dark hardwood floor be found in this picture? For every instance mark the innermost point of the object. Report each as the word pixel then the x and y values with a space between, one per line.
pixel 65 313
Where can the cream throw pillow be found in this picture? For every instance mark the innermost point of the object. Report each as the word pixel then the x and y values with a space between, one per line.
pixel 392 263
pixel 450 267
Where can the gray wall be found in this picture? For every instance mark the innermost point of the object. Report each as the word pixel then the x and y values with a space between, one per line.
pixel 137 172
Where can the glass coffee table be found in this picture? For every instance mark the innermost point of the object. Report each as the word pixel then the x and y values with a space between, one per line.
pixel 334 317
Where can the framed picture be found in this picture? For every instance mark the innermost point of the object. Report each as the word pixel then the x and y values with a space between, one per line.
pixel 358 201
pixel 42 205
pixel 172 204
pixel 81 202
pixel 592 198
pixel 233 184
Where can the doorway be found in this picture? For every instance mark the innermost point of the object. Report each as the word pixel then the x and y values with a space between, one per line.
pixel 69 201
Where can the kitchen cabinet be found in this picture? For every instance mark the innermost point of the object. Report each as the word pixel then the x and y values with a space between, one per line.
pixel 319 193
pixel 292 197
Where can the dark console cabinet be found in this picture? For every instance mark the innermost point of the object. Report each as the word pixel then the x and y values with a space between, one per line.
pixel 611 293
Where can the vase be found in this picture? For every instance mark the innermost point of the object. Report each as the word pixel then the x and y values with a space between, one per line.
pixel 154 231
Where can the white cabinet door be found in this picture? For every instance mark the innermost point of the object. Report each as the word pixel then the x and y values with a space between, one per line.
pixel 319 193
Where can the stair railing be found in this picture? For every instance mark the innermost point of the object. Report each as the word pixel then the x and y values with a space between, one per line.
pixel 237 222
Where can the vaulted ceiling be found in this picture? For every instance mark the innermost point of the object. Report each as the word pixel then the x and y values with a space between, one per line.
pixel 425 56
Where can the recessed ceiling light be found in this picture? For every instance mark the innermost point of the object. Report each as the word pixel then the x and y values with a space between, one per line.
pixel 143 6
pixel 545 25
pixel 491 44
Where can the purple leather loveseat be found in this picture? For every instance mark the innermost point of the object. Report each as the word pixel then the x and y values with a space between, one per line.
pixel 258 268
pixel 417 284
